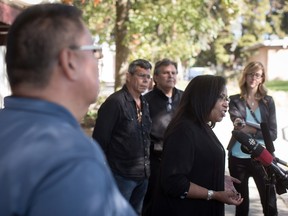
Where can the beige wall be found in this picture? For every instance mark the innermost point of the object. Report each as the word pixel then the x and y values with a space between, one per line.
pixel 278 63
pixel 275 61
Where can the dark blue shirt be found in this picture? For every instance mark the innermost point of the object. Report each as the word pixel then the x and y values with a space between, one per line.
pixel 161 112
pixel 48 166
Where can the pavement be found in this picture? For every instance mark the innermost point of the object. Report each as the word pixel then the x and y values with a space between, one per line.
pixel 223 131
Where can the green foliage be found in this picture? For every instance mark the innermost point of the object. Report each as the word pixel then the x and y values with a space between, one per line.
pixel 278 17
pixel 198 31
pixel 256 21
pixel 89 119
pixel 100 18
pixel 157 29
pixel 284 22
pixel 277 85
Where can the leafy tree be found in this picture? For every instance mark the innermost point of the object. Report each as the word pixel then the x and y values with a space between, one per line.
pixel 154 29
pixel 278 17
pixel 257 21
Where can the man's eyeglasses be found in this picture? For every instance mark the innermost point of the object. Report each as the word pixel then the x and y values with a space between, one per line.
pixel 257 75
pixel 167 73
pixel 97 50
pixel 224 98
pixel 143 76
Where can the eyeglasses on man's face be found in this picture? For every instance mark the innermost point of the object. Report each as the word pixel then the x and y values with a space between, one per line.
pixel 224 98
pixel 167 73
pixel 256 75
pixel 97 50
pixel 143 76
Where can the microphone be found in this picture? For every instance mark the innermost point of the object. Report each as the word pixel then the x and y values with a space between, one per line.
pixel 269 143
pixel 284 163
pixel 267 138
pixel 250 145
pixel 258 152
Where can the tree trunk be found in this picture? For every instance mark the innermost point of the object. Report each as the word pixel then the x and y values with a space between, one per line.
pixel 122 50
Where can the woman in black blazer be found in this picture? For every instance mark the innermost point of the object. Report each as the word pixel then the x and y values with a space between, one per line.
pixel 252 105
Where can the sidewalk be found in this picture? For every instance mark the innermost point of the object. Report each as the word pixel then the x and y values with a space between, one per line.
pixel 223 131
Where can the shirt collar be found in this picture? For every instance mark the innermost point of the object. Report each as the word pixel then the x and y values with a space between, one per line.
pixel 39 106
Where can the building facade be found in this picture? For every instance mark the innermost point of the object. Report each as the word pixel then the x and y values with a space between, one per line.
pixel 273 54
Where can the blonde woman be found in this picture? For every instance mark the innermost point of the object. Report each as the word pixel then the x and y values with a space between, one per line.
pixel 251 107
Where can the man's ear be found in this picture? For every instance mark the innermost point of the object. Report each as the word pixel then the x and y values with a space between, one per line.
pixel 128 76
pixel 155 78
pixel 67 63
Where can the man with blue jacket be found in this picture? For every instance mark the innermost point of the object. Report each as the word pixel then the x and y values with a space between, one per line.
pixel 48 166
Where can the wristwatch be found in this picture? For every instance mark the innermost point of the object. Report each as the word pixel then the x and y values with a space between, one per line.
pixel 210 194
pixel 184 195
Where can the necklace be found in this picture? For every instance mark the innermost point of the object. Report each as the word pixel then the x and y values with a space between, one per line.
pixel 252 101
pixel 139 113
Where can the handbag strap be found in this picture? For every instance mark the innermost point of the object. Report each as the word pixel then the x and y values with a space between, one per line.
pixel 252 113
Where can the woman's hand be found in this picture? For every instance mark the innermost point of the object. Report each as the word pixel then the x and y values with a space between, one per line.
pixel 239 124
pixel 228 197
pixel 229 183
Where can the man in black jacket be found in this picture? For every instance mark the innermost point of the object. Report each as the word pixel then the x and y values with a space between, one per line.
pixel 122 129
pixel 163 100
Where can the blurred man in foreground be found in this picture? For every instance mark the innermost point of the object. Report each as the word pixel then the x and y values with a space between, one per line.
pixel 48 166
